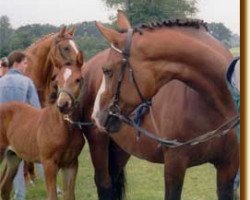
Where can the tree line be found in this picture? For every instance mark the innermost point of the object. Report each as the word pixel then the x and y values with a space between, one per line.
pixel 88 37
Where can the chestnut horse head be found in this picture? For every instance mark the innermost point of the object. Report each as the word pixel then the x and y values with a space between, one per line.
pixel 142 59
pixel 69 82
pixel 49 52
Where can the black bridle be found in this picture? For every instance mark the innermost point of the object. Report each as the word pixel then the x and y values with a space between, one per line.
pixel 114 109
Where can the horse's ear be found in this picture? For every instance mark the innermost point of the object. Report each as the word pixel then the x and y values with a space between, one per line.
pixel 110 34
pixel 80 59
pixel 62 31
pixel 122 20
pixel 72 30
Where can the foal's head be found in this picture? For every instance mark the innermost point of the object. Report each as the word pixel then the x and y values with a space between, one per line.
pixel 69 81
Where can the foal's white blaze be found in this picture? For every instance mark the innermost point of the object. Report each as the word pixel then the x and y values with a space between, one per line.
pixel 73 44
pixel 97 104
pixel 67 73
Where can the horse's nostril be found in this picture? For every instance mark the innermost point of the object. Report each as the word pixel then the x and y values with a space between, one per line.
pixel 63 106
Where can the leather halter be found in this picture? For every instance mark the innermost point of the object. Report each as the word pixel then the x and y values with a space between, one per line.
pixel 114 109
pixel 75 100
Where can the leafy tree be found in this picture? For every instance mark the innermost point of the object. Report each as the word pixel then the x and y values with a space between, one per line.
pixel 221 32
pixel 140 11
pixel 5 35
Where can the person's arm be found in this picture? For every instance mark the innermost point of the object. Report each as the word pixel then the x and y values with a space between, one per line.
pixel 33 96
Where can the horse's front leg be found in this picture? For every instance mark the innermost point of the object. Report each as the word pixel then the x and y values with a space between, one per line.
pixel 99 151
pixel 174 172
pixel 50 171
pixel 69 179
pixel 226 173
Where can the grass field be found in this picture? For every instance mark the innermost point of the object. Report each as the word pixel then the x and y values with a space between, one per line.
pixel 144 182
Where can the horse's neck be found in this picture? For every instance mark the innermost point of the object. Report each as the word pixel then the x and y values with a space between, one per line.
pixel 200 66
pixel 38 55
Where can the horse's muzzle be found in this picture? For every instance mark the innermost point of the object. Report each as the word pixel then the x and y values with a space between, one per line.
pixel 111 122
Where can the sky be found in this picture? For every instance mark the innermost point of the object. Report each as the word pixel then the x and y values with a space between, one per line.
pixel 57 12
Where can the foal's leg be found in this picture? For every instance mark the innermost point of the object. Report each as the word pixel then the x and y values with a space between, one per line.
pixel 69 179
pixel 9 173
pixel 29 172
pixel 174 171
pixel 50 171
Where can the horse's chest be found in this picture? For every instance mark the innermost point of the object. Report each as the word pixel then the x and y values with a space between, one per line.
pixel 72 149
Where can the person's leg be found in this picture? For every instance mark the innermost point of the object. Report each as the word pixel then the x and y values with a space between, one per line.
pixel 19 184
pixel 40 171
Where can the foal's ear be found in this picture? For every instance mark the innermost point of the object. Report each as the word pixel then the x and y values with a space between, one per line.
pixel 72 30
pixel 79 59
pixel 111 35
pixel 122 20
pixel 62 31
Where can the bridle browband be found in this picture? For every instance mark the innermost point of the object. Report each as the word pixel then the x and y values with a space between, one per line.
pixel 114 108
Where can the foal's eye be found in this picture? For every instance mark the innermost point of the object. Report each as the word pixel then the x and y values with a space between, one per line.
pixel 107 72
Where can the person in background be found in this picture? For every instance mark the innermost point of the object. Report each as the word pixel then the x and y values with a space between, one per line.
pixel 233 83
pixel 15 86
pixel 4 66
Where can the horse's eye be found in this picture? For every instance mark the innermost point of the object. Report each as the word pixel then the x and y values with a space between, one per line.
pixel 78 80
pixel 53 77
pixel 107 72
pixel 66 48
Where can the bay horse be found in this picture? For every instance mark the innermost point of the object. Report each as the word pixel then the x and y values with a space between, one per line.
pixel 50 139
pixel 182 68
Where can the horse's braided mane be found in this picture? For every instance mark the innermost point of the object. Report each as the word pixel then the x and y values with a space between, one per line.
pixel 39 40
pixel 195 23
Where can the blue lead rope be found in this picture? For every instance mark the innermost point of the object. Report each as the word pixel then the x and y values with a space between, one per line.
pixel 140 111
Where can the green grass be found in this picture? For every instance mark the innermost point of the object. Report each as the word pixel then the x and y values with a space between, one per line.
pixel 144 182
pixel 235 51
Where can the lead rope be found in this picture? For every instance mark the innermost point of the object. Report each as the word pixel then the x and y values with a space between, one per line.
pixel 173 143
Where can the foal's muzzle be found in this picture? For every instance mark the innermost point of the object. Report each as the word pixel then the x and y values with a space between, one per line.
pixel 64 107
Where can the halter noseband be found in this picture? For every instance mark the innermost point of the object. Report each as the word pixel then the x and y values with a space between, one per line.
pixel 75 100
pixel 114 109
